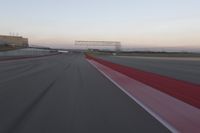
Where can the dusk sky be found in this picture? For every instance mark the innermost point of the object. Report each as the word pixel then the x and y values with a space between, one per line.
pixel 141 23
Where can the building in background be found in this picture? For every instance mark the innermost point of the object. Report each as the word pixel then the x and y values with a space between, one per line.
pixel 14 41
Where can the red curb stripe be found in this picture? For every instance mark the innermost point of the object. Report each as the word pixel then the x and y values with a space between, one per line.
pixel 185 91
pixel 174 114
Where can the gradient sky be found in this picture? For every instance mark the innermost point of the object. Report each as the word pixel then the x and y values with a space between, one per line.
pixel 141 23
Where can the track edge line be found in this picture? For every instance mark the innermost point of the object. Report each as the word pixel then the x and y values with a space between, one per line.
pixel 156 116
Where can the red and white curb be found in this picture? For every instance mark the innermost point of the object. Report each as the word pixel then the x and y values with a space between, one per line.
pixel 174 114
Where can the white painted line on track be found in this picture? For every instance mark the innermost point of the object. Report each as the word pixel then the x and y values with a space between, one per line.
pixel 166 124
pixel 174 114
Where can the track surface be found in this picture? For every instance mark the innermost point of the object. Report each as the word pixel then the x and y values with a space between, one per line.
pixel 181 69
pixel 64 93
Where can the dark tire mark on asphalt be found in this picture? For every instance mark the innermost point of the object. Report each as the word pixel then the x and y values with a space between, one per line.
pixel 26 112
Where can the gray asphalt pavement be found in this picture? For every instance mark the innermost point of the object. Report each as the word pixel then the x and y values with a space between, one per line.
pixel 177 68
pixel 65 94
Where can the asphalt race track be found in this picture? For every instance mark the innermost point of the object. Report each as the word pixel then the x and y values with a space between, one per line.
pixel 182 69
pixel 65 94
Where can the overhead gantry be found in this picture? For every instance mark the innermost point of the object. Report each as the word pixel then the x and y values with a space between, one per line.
pixel 117 45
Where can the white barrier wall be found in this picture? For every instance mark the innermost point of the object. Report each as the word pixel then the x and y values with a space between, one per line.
pixel 25 52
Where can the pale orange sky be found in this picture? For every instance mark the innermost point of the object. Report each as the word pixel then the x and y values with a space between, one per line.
pixel 141 23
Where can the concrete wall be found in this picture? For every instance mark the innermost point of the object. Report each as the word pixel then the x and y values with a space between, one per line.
pixel 14 40
pixel 25 52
